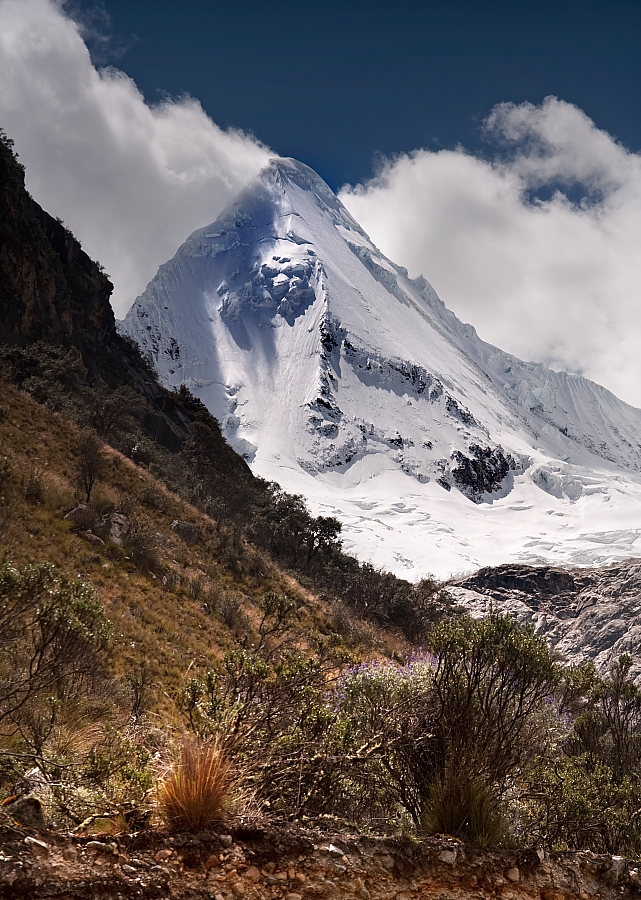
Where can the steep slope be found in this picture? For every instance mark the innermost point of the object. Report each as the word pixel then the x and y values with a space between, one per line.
pixel 51 292
pixel 179 587
pixel 49 288
pixel 58 343
pixel 338 376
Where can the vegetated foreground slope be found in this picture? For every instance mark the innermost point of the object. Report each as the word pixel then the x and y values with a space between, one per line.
pixel 340 377
pixel 178 597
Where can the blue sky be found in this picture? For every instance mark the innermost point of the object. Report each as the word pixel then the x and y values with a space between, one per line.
pixel 492 147
pixel 335 83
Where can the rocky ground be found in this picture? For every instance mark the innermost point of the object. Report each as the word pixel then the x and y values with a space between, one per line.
pixel 291 863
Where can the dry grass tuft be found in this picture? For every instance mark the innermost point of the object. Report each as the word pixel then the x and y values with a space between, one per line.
pixel 197 791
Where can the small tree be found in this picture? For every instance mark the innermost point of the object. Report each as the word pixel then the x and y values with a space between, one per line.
pixel 494 689
pixel 90 466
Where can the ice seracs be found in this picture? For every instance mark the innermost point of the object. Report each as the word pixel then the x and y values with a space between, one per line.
pixel 341 378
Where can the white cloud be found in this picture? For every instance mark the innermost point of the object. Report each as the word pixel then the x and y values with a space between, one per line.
pixel 130 180
pixel 549 279
pixel 510 248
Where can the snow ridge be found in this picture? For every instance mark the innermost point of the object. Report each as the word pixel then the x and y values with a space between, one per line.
pixel 341 378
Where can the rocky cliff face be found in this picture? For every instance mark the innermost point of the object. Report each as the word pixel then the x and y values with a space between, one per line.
pixel 586 614
pixel 52 292
pixel 49 288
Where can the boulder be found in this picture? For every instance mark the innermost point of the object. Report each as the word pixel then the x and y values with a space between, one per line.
pixel 186 531
pixel 26 811
pixel 82 517
pixel 115 526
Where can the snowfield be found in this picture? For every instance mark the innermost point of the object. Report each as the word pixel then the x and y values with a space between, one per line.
pixel 342 379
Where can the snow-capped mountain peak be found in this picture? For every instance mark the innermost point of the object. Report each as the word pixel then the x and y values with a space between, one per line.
pixel 341 378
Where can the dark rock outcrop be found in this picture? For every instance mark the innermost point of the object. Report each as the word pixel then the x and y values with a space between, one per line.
pixel 55 298
pixel 483 471
pixel 586 614
pixel 49 288
pixel 539 583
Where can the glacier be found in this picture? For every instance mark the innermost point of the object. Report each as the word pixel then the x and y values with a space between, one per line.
pixel 341 378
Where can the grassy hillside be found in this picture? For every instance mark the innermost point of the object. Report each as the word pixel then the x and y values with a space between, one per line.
pixel 175 607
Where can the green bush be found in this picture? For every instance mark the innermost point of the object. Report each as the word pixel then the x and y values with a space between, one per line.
pixel 53 637
pixel 588 793
pixel 446 736
pixel 580 803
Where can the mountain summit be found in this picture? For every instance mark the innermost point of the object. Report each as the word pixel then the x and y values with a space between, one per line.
pixel 338 376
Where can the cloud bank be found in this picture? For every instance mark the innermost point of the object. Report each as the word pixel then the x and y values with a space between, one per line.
pixel 538 245
pixel 129 179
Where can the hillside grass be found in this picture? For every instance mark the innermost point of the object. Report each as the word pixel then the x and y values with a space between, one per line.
pixel 157 605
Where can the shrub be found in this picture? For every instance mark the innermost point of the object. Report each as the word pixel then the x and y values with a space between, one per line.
pixel 90 464
pixel 266 703
pixel 588 794
pixel 579 803
pixel 353 629
pixel 96 765
pixel 446 735
pixel 391 602
pixel 197 791
pixel 63 729
pixel 491 705
pixel 230 611
pixel 53 636
pixel 141 544
pixel 494 680
pixel 379 710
